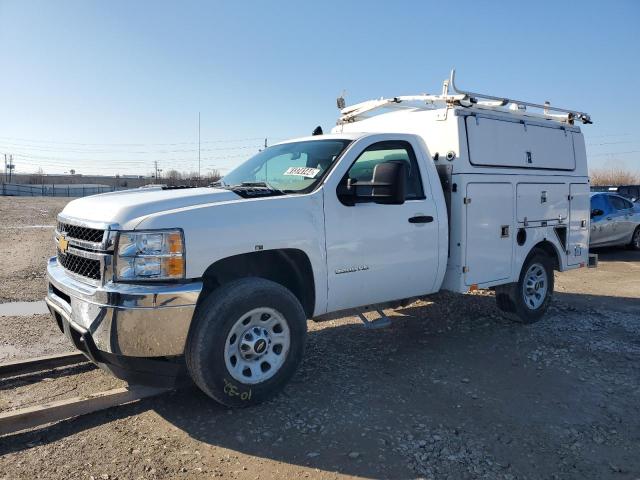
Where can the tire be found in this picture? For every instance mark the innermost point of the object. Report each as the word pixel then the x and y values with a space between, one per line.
pixel 528 300
pixel 635 240
pixel 260 314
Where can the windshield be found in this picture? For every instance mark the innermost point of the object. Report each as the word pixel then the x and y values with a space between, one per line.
pixel 289 167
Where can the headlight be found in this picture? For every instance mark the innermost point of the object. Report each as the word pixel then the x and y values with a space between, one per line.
pixel 150 255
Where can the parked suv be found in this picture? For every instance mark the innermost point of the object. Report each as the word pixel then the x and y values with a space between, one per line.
pixel 614 221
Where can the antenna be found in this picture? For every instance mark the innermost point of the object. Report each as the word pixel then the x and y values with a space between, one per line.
pixel 445 88
pixel 340 103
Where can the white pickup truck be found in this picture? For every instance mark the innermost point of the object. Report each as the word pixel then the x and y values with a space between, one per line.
pixel 407 196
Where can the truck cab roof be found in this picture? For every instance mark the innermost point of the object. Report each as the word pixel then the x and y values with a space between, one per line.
pixel 329 136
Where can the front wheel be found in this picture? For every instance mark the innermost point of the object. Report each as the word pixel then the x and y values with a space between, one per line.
pixel 528 300
pixel 246 341
pixel 635 240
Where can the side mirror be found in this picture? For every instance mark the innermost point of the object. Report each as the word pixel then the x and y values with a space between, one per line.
pixel 388 186
pixel 596 212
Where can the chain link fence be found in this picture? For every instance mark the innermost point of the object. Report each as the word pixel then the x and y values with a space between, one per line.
pixel 18 190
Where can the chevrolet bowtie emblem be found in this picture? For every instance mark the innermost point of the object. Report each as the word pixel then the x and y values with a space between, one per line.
pixel 63 244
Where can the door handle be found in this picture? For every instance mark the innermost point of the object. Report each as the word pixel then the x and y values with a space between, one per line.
pixel 608 218
pixel 421 219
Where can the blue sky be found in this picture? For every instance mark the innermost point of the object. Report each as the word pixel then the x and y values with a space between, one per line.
pixel 106 87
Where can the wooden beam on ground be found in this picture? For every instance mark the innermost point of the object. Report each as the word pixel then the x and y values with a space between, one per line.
pixel 21 367
pixel 30 417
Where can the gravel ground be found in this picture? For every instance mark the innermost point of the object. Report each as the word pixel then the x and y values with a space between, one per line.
pixel 451 389
pixel 26 238
pixel 30 336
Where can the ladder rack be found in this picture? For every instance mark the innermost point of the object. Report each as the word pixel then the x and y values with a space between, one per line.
pixel 460 97
pixel 502 102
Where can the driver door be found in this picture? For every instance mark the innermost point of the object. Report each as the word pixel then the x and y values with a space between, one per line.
pixel 601 225
pixel 380 252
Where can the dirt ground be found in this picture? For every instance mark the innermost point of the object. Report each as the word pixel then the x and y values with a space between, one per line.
pixel 451 390
pixel 26 242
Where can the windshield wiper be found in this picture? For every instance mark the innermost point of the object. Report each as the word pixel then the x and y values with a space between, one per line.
pixel 254 189
pixel 261 184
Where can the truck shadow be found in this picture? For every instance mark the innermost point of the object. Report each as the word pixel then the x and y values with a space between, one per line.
pixel 448 364
pixel 616 254
pixel 452 360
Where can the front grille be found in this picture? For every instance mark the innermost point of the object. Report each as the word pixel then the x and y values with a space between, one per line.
pixel 81 233
pixel 82 266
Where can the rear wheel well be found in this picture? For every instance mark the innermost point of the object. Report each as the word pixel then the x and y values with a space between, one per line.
pixel 547 247
pixel 289 267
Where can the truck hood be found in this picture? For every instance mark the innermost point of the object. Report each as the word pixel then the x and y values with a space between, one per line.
pixel 127 208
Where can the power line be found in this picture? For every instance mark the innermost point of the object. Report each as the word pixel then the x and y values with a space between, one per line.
pixel 89 158
pixel 612 135
pixel 53 142
pixel 10 146
pixel 614 153
pixel 125 160
pixel 609 143
pixel 130 166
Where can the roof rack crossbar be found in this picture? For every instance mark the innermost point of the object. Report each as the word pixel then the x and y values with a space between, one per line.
pixel 582 116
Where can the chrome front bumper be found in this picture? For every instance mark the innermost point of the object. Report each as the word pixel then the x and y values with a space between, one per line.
pixel 130 320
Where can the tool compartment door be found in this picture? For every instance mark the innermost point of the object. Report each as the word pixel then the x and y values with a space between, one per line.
pixel 503 143
pixel 542 202
pixel 489 236
pixel 579 213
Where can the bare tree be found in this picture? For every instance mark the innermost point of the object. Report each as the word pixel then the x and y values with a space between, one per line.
pixel 614 176
pixel 175 178
pixel 213 175
pixel 191 178
pixel 36 178
pixel 172 177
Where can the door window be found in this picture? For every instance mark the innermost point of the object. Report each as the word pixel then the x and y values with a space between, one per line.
pixel 620 203
pixel 599 202
pixel 396 151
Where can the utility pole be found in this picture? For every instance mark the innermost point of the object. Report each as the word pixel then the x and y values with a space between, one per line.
pixel 11 166
pixel 266 164
pixel 156 175
pixel 5 167
pixel 199 148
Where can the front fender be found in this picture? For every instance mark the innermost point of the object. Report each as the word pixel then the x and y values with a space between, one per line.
pixel 217 231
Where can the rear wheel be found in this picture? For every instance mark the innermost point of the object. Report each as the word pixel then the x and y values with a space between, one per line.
pixel 635 240
pixel 528 300
pixel 246 341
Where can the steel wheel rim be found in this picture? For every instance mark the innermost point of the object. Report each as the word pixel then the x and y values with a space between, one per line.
pixel 636 239
pixel 535 286
pixel 257 345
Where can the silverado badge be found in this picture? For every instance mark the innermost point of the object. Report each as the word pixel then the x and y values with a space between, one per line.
pixel 63 244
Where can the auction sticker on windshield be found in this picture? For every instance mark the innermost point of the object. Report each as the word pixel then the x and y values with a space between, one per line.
pixel 307 172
